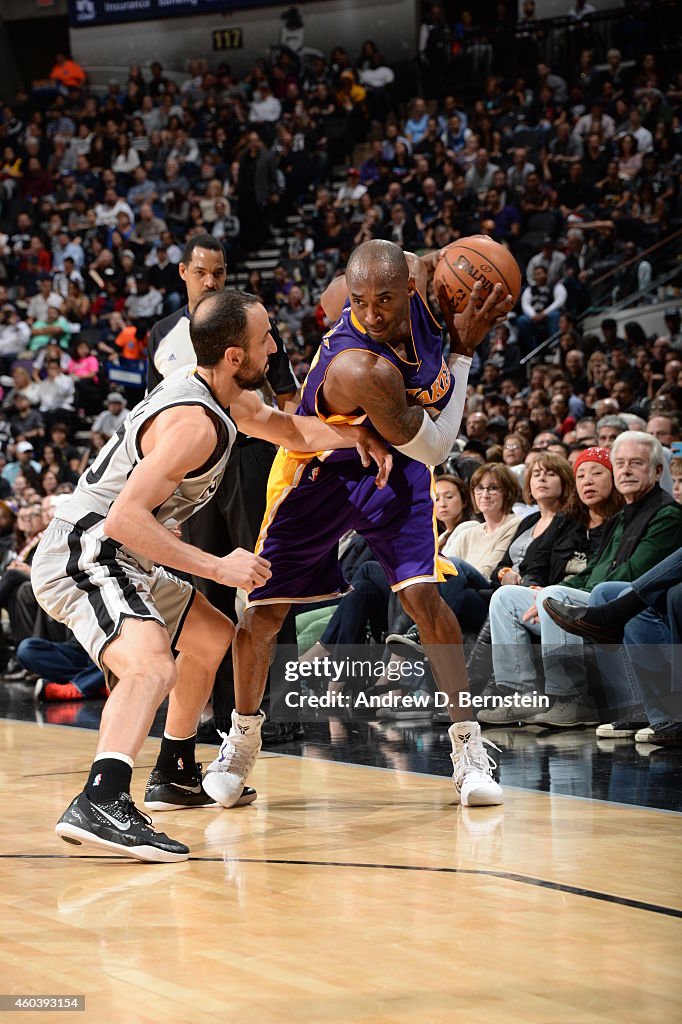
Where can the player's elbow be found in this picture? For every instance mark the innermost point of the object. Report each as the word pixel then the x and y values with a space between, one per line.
pixel 117 524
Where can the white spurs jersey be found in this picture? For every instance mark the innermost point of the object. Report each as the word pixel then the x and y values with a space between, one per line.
pixel 102 483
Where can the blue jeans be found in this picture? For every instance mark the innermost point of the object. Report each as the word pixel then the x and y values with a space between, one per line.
pixel 660 590
pixel 562 653
pixel 615 665
pixel 646 669
pixel 516 660
pixel 365 605
pixel 514 664
pixel 61 663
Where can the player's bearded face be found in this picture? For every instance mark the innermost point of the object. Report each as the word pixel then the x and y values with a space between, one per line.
pixel 250 377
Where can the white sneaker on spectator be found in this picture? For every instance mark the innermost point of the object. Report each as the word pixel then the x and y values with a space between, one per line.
pixel 226 777
pixel 618 730
pixel 473 767
pixel 644 735
pixel 567 714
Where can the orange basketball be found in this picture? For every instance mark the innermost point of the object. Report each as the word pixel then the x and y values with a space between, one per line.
pixel 477 258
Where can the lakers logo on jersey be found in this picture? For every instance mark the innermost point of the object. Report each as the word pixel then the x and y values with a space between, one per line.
pixel 433 394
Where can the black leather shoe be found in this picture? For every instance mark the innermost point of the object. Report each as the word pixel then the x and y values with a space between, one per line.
pixel 571 619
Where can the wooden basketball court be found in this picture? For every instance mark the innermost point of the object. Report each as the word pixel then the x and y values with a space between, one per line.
pixel 345 894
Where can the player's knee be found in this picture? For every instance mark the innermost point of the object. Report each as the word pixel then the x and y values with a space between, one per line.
pixel 161 674
pixel 260 624
pixel 218 638
pixel 419 601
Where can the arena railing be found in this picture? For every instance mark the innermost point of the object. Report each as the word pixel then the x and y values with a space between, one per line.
pixel 671 243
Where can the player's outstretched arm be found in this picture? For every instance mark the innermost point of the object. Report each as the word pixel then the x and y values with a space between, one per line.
pixel 308 433
pixel 176 442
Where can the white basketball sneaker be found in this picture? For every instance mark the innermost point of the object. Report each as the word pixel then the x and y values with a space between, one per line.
pixel 226 776
pixel 473 766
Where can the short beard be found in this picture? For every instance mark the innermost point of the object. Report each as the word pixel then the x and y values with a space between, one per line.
pixel 246 379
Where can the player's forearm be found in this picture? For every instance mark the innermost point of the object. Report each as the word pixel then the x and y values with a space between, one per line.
pixel 435 439
pixel 137 529
pixel 308 434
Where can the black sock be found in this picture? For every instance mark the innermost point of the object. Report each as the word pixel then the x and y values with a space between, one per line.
pixel 109 777
pixel 177 758
pixel 614 614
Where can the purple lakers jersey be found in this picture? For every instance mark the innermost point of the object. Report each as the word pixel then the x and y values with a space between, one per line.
pixel 428 380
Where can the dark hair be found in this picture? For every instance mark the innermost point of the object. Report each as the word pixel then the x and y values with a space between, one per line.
pixel 456 481
pixel 579 512
pixel 505 480
pixel 555 464
pixel 202 241
pixel 634 333
pixel 219 322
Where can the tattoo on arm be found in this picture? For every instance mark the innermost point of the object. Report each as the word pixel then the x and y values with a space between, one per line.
pixel 381 394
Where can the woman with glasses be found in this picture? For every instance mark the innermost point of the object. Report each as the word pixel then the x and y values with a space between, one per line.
pixel 515 448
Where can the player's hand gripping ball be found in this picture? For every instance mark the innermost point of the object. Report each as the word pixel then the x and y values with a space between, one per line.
pixel 477 258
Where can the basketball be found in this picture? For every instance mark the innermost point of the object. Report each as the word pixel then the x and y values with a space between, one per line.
pixel 477 258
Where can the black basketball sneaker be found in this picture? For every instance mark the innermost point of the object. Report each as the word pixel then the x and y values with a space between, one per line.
pixel 163 794
pixel 119 827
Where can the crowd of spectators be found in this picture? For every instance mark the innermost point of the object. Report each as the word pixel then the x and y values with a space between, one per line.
pixel 577 170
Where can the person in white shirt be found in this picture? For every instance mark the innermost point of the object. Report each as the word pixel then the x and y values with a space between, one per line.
pixel 185 149
pixel 107 212
pixel 15 335
pixel 39 304
pixel 57 390
pixel 111 418
pixel 550 258
pixel 127 158
pixel 584 125
pixel 518 172
pixel 542 307
pixel 265 107
pixel 645 140
pixel 147 302
pixel 351 191
pixel 479 177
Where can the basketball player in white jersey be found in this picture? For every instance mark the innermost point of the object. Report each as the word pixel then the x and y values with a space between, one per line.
pixel 97 568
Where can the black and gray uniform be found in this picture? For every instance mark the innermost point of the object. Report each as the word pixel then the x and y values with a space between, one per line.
pixel 91 583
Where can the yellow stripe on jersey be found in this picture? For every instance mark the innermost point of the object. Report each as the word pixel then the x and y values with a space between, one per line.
pixel 285 474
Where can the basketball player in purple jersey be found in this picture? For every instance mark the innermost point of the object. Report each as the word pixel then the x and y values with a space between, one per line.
pixel 381 363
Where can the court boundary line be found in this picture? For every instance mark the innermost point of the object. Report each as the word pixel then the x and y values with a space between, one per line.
pixel 508 876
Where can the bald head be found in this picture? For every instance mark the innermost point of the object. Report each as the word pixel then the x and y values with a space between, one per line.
pixel 377 260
